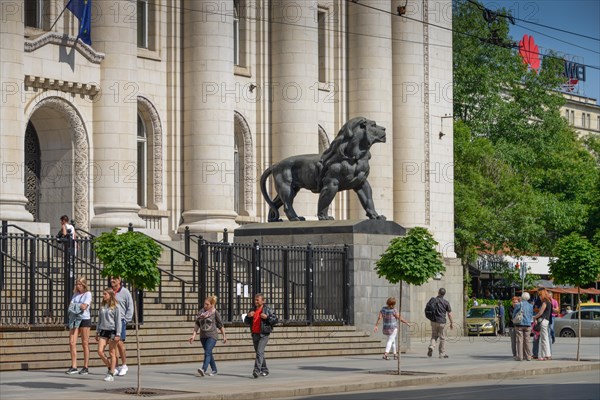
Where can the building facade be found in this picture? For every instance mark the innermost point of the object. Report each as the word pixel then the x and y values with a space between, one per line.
pixel 169 117
pixel 582 113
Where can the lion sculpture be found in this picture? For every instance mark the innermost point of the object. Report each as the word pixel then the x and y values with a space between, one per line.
pixel 343 166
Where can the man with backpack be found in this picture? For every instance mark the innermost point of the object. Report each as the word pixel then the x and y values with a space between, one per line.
pixel 435 311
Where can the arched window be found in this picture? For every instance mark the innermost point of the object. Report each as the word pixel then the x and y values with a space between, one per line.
pixel 142 165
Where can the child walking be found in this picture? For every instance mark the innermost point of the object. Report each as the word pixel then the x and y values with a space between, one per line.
pixel 108 331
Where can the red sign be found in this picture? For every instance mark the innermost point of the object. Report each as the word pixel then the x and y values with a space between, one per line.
pixel 530 52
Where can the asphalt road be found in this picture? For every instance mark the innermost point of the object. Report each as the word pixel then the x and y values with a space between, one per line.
pixel 571 386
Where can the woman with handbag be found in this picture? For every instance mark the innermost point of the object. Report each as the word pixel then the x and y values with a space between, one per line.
pixel 511 325
pixel 208 323
pixel 522 317
pixel 543 319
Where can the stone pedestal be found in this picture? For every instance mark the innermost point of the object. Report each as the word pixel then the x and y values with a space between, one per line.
pixel 367 240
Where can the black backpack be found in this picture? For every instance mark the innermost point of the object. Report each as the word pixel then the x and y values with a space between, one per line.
pixel 430 309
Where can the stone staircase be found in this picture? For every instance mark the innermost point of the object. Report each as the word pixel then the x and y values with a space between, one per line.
pixel 163 343
pixel 166 330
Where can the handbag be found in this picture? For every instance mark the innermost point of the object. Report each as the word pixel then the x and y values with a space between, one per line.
pixel 518 318
pixel 538 325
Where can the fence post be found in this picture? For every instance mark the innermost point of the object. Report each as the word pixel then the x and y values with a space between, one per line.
pixel 255 268
pixel 3 248
pixel 186 241
pixel 202 270
pixel 286 285
pixel 230 283
pixel 32 288
pixel 346 283
pixel 68 272
pixel 140 301
pixel 225 236
pixel 309 283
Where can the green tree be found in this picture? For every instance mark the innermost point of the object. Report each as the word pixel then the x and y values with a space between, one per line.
pixel 412 259
pixel 132 256
pixel 523 178
pixel 577 263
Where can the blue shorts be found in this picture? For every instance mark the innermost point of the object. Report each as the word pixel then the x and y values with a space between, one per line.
pixel 123 330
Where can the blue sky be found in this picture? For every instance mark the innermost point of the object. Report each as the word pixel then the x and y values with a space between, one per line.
pixel 578 16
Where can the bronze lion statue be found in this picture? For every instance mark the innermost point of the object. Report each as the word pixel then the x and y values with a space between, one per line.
pixel 343 166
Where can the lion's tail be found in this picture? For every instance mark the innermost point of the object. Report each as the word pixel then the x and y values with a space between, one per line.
pixel 263 188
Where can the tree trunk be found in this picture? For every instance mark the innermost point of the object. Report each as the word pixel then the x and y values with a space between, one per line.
pixel 399 335
pixel 137 343
pixel 578 320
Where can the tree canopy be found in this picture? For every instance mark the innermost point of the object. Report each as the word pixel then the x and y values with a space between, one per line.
pixel 411 258
pixel 132 256
pixel 523 178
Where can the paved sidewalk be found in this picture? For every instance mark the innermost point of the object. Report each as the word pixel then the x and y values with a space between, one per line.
pixel 470 359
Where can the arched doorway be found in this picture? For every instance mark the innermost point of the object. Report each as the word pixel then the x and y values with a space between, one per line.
pixel 63 184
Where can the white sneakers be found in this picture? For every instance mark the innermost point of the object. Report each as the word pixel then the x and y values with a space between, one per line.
pixel 122 370
pixel 109 377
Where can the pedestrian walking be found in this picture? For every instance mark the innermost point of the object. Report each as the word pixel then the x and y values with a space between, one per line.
pixel 261 320
pixel 125 303
pixel 440 307
pixel 107 331
pixel 208 323
pixel 523 327
pixel 79 325
pixel 390 317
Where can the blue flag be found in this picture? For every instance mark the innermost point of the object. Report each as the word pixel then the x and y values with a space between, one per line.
pixel 82 9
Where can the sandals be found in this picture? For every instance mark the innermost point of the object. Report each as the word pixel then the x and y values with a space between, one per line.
pixel 385 357
pixel 395 356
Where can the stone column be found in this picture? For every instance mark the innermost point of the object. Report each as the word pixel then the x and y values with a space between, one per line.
pixel 208 128
pixel 370 93
pixel 115 117
pixel 441 103
pixel 294 87
pixel 411 151
pixel 12 124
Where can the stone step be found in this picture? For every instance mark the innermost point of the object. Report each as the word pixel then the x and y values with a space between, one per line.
pixel 49 349
pixel 197 356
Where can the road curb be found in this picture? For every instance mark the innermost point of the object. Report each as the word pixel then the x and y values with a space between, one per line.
pixel 379 380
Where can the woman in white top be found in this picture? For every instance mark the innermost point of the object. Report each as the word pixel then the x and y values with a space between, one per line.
pixel 79 324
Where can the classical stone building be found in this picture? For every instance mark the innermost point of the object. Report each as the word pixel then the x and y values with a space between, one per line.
pixel 171 114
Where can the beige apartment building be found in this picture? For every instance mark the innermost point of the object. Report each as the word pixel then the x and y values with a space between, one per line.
pixel 582 113
pixel 169 118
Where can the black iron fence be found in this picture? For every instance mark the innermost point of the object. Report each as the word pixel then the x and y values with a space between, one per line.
pixel 304 285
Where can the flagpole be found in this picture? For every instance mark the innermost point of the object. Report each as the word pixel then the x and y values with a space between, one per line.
pixel 60 15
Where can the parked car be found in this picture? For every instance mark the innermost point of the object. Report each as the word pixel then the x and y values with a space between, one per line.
pixel 567 326
pixel 482 320
pixel 589 305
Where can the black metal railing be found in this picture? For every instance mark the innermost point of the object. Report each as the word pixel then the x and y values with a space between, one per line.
pixel 37 276
pixel 303 284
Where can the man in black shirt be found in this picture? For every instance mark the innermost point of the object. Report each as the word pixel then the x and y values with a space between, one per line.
pixel 438 325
